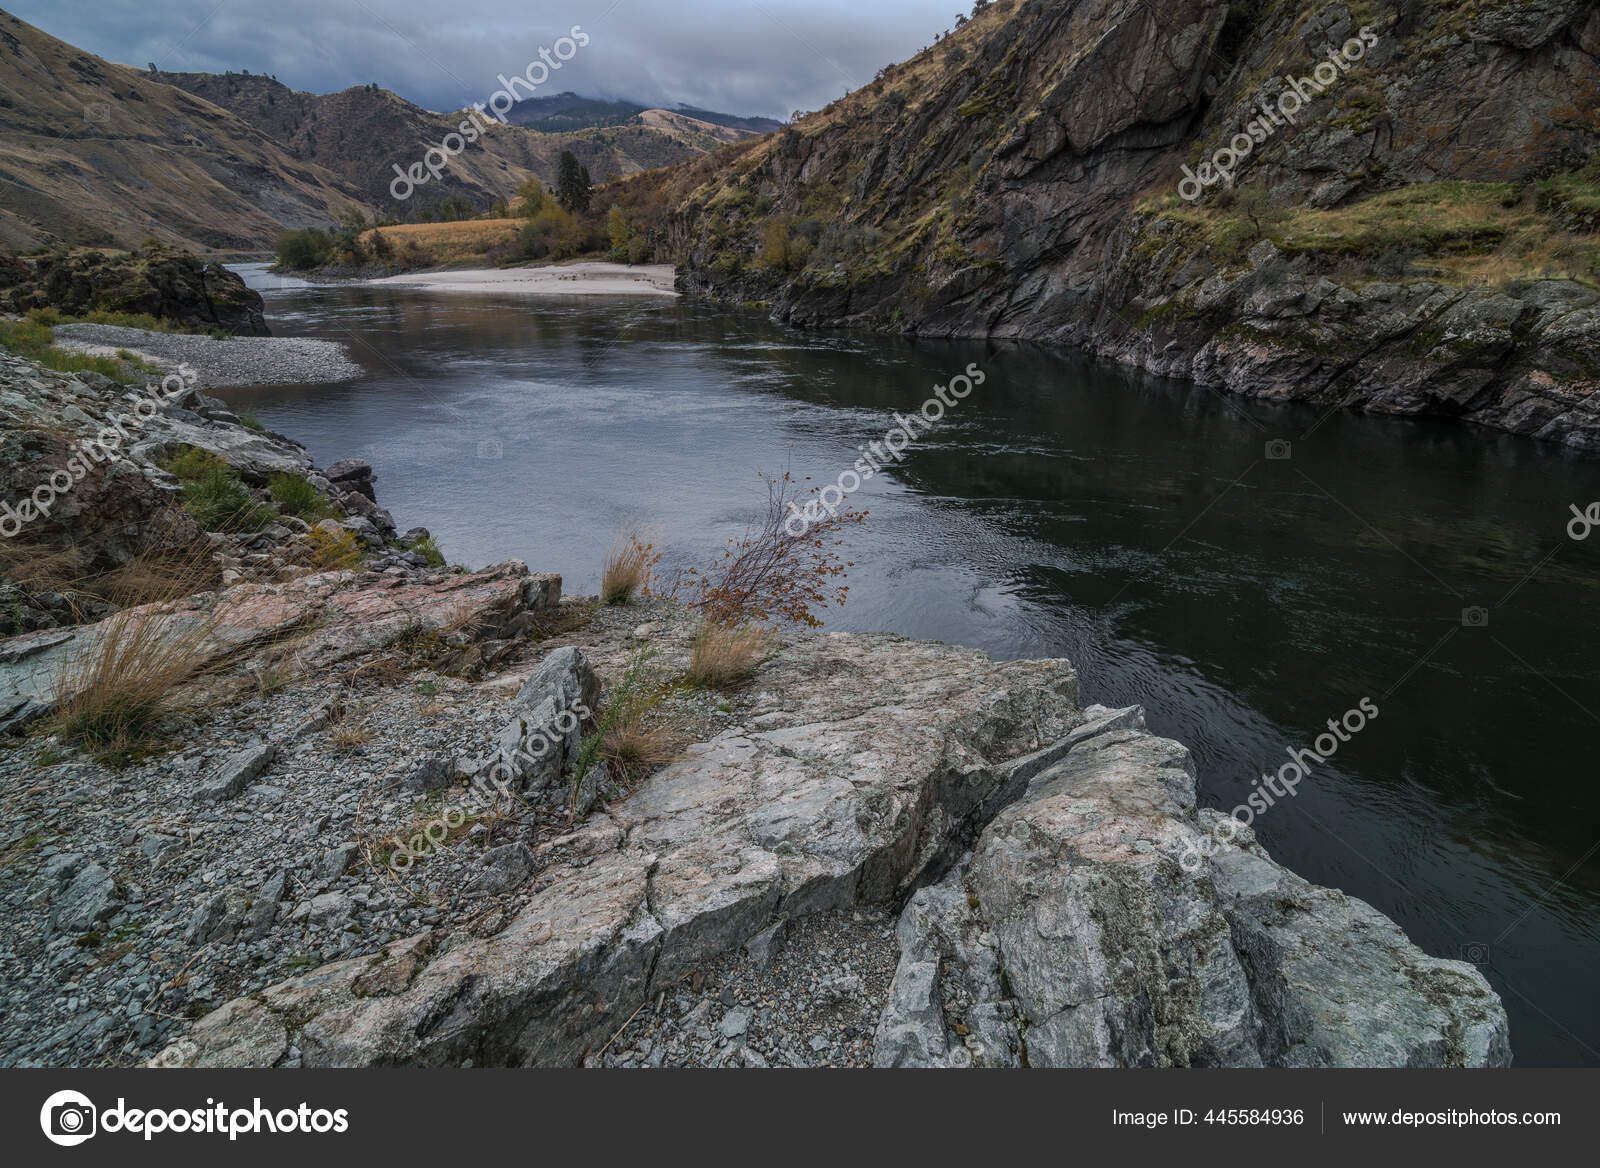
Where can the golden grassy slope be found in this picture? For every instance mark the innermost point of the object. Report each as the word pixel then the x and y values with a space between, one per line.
pixel 96 153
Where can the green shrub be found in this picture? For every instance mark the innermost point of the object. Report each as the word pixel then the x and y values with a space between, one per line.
pixel 428 549
pixel 304 248
pixel 214 495
pixel 296 493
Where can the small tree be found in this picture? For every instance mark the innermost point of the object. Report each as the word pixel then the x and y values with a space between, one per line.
pixel 617 227
pixel 775 572
pixel 572 183
pixel 531 198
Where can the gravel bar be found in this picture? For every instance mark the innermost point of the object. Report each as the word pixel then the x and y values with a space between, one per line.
pixel 235 361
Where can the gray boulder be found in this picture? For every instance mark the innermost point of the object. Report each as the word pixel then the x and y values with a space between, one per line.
pixel 218 918
pixel 541 740
pixel 237 771
pixel 504 868
pixel 89 900
pixel 1063 935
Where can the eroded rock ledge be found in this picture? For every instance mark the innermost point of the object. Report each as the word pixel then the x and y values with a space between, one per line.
pixel 864 767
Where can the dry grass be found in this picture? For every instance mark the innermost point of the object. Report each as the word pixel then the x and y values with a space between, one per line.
pixel 163 569
pixel 1456 232
pixel 278 667
pixel 37 567
pixel 348 731
pixel 133 665
pixel 336 551
pixel 724 655
pixel 451 243
pixel 626 571
pixel 632 747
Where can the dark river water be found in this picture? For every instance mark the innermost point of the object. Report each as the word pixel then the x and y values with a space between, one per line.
pixel 1139 528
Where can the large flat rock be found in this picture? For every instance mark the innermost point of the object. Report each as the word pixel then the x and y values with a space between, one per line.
pixel 322 619
pixel 861 760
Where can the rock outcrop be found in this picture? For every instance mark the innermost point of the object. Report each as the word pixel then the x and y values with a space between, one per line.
pixel 87 494
pixel 321 620
pixel 160 281
pixel 1074 939
pixel 864 765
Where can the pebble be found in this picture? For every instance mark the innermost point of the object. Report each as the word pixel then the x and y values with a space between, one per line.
pixel 235 361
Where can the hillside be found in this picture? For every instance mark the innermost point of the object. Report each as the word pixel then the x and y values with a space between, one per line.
pixel 362 132
pixel 99 154
pixel 1418 238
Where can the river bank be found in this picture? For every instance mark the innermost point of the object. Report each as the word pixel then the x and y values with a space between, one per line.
pixel 589 278
pixel 239 901
pixel 216 361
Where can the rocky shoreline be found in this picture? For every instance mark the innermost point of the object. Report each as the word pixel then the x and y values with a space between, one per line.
pixel 216 362
pixel 874 852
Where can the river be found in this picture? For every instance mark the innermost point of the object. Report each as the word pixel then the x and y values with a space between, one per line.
pixel 1245 570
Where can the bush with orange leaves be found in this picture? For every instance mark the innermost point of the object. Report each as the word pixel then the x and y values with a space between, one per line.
pixel 770 573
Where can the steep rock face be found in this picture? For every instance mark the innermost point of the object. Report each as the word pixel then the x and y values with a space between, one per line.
pixel 864 765
pixel 1021 180
pixel 160 281
pixel 1077 936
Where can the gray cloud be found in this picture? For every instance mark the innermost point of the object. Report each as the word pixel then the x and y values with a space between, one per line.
pixel 740 56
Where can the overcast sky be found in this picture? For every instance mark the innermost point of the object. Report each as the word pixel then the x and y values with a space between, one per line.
pixel 765 57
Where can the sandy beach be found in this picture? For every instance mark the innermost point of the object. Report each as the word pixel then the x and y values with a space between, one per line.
pixel 586 279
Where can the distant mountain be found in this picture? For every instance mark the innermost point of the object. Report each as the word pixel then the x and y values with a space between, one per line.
pixel 93 153
pixel 754 125
pixel 568 111
pixel 361 133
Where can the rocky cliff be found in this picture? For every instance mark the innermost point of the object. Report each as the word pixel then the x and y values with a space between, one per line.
pixel 1407 222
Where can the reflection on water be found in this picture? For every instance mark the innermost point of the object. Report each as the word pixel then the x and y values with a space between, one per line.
pixel 1137 527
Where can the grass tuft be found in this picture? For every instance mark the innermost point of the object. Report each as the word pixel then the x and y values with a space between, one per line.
pixel 724 655
pixel 214 494
pixel 626 571
pixel 131 667
pixel 299 497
